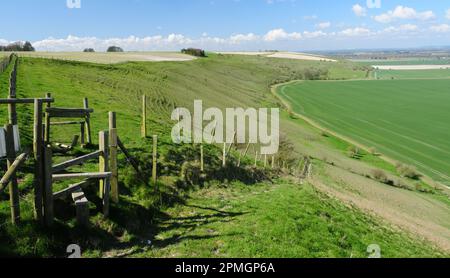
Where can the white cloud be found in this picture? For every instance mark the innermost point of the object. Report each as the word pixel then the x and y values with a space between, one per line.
pixel 447 15
pixel 443 28
pixel 323 25
pixel 236 39
pixel 312 35
pixel 280 34
pixel 359 10
pixel 401 12
pixel 404 28
pixel 354 32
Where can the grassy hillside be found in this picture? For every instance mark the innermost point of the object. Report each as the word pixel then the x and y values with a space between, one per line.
pixel 392 116
pixel 174 221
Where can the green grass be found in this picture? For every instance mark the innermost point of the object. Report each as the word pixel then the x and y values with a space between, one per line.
pixel 406 61
pixel 403 119
pixel 322 227
pixel 413 74
pixel 279 221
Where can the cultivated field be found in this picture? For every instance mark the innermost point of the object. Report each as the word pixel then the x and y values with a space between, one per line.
pixel 407 120
pixel 283 55
pixel 109 58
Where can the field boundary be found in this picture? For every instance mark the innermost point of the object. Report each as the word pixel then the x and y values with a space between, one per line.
pixel 288 106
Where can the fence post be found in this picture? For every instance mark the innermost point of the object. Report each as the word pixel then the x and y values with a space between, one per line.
pixel 88 122
pixel 48 186
pixel 38 160
pixel 202 159
pixel 256 158
pixel 155 160
pixel 13 186
pixel 224 155
pixel 47 122
pixel 144 117
pixel 12 112
pixel 273 161
pixel 265 160
pixel 113 157
pixel 104 184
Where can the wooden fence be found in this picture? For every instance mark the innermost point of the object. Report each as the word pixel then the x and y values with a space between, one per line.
pixel 106 178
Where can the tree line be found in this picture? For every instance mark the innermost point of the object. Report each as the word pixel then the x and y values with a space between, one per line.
pixel 17 46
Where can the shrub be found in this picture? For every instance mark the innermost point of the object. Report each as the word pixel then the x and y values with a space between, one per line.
pixel 89 50
pixel 380 175
pixel 408 172
pixel 353 152
pixel 114 49
pixel 194 52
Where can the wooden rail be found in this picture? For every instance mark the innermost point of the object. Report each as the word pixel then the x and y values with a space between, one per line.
pixel 12 170
pixel 68 112
pixel 65 193
pixel 76 161
pixel 24 100
pixel 99 175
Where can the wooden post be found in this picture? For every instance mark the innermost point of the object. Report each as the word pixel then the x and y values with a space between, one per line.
pixel 12 112
pixel 244 154
pixel 224 155
pixel 47 122
pixel 13 186
pixel 87 122
pixel 256 158
pixel 265 160
pixel 38 160
pixel 273 161
pixel 48 186
pixel 113 147
pixel 104 184
pixel 144 117
pixel 82 208
pixel 202 160
pixel 155 160
pixel 83 134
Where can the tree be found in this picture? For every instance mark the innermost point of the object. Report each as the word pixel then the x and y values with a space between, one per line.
pixel 114 49
pixel 194 52
pixel 28 47
pixel 89 50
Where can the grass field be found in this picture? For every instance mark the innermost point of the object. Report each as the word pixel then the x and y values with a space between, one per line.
pixel 406 61
pixel 413 74
pixel 403 119
pixel 260 220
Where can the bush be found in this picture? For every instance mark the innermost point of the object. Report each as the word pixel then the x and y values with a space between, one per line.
pixel 194 52
pixel 114 49
pixel 89 50
pixel 408 172
pixel 353 152
pixel 380 176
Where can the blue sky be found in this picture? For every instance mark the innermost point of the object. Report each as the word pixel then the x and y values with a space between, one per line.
pixel 227 24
